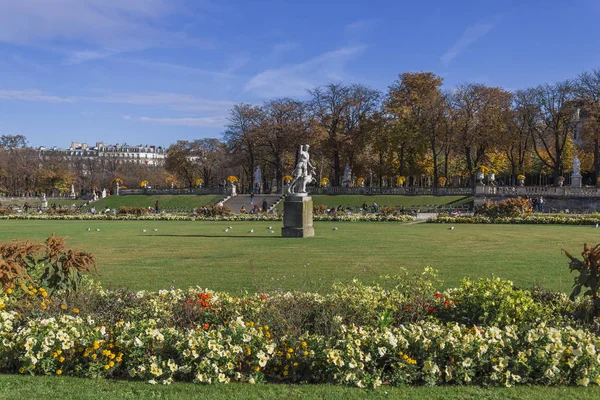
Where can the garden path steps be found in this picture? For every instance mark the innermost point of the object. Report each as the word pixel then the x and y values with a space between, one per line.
pixel 236 202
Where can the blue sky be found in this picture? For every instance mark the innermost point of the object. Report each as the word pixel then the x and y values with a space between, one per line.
pixel 155 71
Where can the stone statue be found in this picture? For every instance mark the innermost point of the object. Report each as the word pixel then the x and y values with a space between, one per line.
pixel 303 173
pixel 576 166
pixel 104 193
pixel 347 182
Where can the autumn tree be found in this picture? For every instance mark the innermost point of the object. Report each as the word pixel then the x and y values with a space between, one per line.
pixel 242 138
pixel 417 100
pixel 481 117
pixel 517 142
pixel 555 123
pixel 283 127
pixel 587 90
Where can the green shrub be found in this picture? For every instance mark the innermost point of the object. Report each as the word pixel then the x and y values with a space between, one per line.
pixel 511 207
pixel 133 210
pixel 494 301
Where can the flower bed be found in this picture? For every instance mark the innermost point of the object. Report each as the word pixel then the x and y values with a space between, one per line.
pixel 485 332
pixel 558 219
pixel 188 217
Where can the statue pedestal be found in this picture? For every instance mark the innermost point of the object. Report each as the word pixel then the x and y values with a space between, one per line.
pixel 576 180
pixel 297 217
pixel 231 190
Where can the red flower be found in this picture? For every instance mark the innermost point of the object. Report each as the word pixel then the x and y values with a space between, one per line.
pixel 438 295
pixel 431 309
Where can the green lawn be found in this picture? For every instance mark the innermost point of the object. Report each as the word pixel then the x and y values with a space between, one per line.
pixel 165 201
pixel 27 387
pixel 389 200
pixel 36 201
pixel 200 253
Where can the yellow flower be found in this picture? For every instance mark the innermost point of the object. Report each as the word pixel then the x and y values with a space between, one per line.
pixel 295 364
pixel 257 368
pixel 304 344
pixel 106 366
pixel 285 373
pixel 1 306
pixel 76 310
pixel 266 327
pixel 59 372
pixel 8 291
pixel 112 363
pixel 306 353
pixel 44 293
pixel 63 306
pixel 288 356
pixel 94 356
pixel 290 350
pixel 61 359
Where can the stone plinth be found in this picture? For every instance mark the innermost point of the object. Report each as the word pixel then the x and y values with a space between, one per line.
pixel 298 217
pixel 231 190
pixel 576 180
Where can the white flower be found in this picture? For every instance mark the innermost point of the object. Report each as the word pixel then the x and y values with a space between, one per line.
pixel 251 381
pixel 381 351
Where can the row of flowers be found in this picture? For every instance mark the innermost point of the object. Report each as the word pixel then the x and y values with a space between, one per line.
pixel 484 332
pixel 188 217
pixel 243 351
pixel 559 219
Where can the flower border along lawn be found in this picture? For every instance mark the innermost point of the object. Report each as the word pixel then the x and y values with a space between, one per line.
pixel 19 387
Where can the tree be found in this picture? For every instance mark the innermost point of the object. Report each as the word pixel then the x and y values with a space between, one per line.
pixel 283 127
pixel 363 102
pixel 555 123
pixel 587 90
pixel 417 99
pixel 13 142
pixel 242 138
pixel 518 140
pixel 328 106
pixel 481 117
pixel 183 161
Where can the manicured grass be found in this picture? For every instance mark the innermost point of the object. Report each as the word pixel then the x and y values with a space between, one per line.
pixel 390 200
pixel 200 253
pixel 164 201
pixel 24 387
pixel 36 201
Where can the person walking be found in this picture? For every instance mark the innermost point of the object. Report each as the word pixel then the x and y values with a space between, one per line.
pixel 252 198
pixel 156 207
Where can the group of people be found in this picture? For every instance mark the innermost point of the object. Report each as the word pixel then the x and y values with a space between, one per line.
pixel 255 208
pixel 537 203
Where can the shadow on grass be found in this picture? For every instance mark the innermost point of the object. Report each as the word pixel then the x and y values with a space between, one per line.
pixel 249 236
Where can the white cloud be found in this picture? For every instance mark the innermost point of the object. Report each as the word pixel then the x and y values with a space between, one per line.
pixel 176 68
pixel 32 95
pixel 175 101
pixel 101 27
pixel 295 79
pixel 470 36
pixel 198 122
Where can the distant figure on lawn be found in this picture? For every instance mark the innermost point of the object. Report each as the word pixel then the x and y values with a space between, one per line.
pixel 156 207
pixel 265 206
pixel 243 210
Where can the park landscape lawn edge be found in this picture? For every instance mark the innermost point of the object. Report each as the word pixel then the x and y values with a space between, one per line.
pixel 19 386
